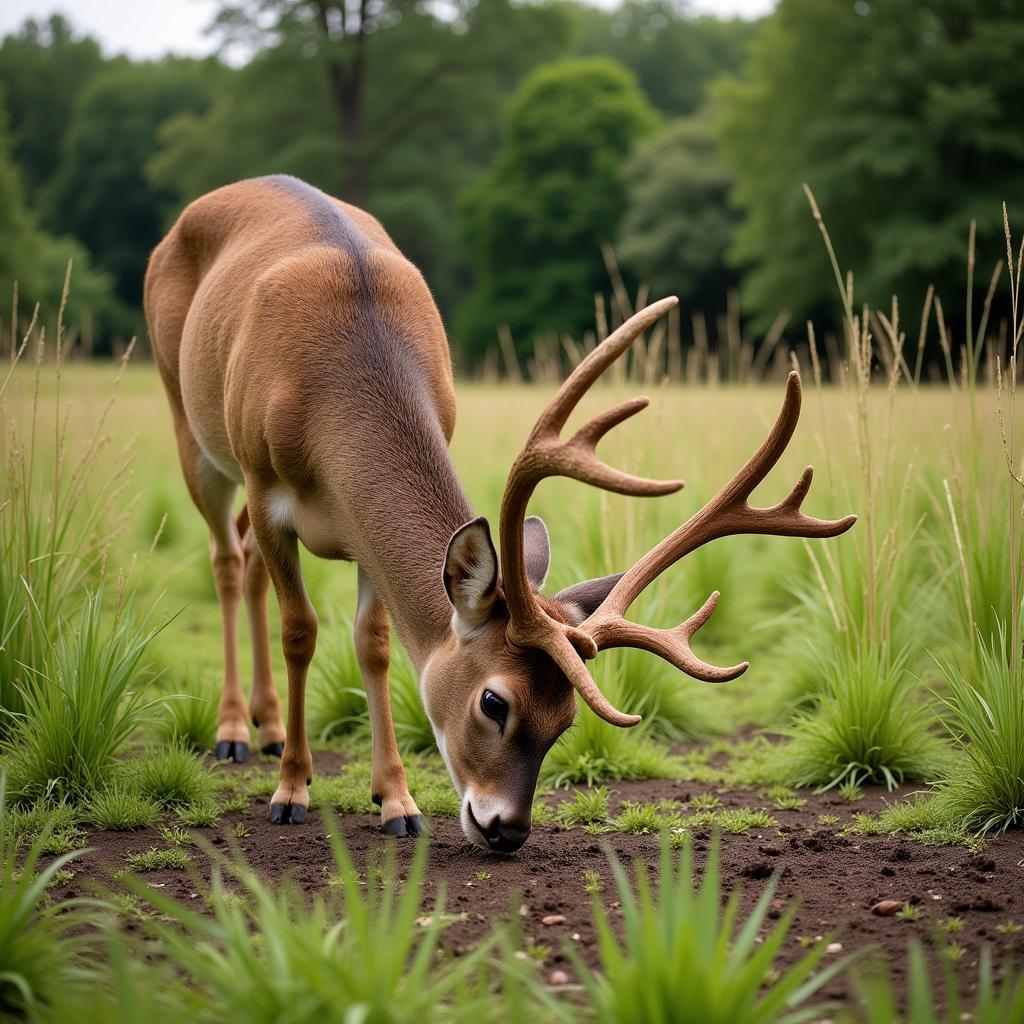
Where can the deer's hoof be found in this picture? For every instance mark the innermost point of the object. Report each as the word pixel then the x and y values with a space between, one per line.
pixel 409 825
pixel 287 814
pixel 273 749
pixel 231 750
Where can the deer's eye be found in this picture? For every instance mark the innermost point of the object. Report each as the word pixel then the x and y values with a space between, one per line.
pixel 494 707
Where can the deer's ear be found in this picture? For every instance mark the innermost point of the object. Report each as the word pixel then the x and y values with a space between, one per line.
pixel 471 575
pixel 581 599
pixel 537 549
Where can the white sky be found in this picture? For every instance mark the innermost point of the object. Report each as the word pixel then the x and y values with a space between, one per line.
pixel 150 28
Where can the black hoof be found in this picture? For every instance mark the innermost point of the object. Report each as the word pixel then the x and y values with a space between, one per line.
pixel 274 749
pixel 287 814
pixel 231 750
pixel 412 825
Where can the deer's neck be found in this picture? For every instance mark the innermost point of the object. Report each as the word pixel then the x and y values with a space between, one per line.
pixel 408 514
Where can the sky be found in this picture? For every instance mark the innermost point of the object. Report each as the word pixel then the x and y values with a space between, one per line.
pixel 150 28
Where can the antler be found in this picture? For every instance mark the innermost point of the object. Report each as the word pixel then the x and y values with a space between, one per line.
pixel 729 512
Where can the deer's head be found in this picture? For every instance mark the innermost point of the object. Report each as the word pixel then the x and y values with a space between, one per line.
pixel 504 686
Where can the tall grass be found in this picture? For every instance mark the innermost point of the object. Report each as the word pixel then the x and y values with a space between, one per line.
pixel 82 700
pixel 684 957
pixel 59 513
pixel 337 696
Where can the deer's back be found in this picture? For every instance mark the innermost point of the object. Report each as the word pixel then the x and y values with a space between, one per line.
pixel 289 329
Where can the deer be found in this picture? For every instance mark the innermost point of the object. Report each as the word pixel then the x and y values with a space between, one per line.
pixel 305 360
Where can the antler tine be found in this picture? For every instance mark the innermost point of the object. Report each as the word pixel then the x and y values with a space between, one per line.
pixel 727 513
pixel 545 454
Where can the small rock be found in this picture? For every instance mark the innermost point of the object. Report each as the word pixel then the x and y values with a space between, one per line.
pixel 550 919
pixel 886 908
pixel 834 947
pixel 558 978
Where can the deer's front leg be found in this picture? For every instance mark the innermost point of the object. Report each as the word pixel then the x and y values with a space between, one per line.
pixel 398 811
pixel 280 551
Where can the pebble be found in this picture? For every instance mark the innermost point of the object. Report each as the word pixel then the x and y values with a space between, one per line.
pixel 551 919
pixel 834 947
pixel 558 978
pixel 886 908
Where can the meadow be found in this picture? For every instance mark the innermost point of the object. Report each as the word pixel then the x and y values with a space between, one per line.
pixel 744 855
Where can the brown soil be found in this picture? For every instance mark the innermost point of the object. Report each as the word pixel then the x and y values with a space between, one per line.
pixel 834 879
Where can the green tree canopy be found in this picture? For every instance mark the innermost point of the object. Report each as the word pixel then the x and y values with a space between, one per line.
pixel 674 54
pixel 535 221
pixel 904 117
pixel 100 192
pixel 37 261
pixel 43 68
pixel 678 223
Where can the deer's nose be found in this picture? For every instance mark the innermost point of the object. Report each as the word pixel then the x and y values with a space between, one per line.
pixel 505 837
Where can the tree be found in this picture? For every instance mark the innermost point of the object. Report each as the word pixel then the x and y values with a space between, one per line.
pixel 37 261
pixel 678 223
pixel 100 192
pixel 429 89
pixel 673 54
pixel 43 67
pixel 536 219
pixel 904 117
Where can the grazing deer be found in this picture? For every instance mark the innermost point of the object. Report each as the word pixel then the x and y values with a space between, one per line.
pixel 304 358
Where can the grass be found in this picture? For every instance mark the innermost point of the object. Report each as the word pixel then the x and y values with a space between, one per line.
pixel 171 859
pixel 189 717
pixel 38 953
pixel 687 958
pixel 985 702
pixel 119 809
pixel 171 776
pixel 337 699
pixel 82 702
pixel 870 725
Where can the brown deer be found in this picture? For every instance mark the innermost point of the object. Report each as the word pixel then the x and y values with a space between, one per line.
pixel 304 358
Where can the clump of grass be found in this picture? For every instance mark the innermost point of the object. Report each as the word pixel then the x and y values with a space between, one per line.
pixel 173 859
pixel 189 716
pixel 176 837
pixel 908 912
pixel 585 808
pixel 120 809
pixel 994 1001
pixel 337 698
pixel 593 751
pixel 987 789
pixel 38 953
pixel 171 776
pixel 25 823
pixel 382 962
pixel 201 814
pixel 743 819
pixel 869 726
pixel 641 819
pixel 684 958
pixel 83 701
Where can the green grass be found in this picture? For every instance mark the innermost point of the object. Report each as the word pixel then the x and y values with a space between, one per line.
pixel 993 1002
pixel 687 958
pixel 987 710
pixel 82 702
pixel 585 808
pixel 38 953
pixel 171 775
pixel 189 716
pixel 337 698
pixel 870 725
pixel 201 814
pixel 119 809
pixel 172 859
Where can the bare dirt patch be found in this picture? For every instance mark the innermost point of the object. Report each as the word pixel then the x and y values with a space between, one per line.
pixel 834 879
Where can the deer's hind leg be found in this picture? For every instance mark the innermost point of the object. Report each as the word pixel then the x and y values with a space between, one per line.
pixel 398 811
pixel 264 706
pixel 213 494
